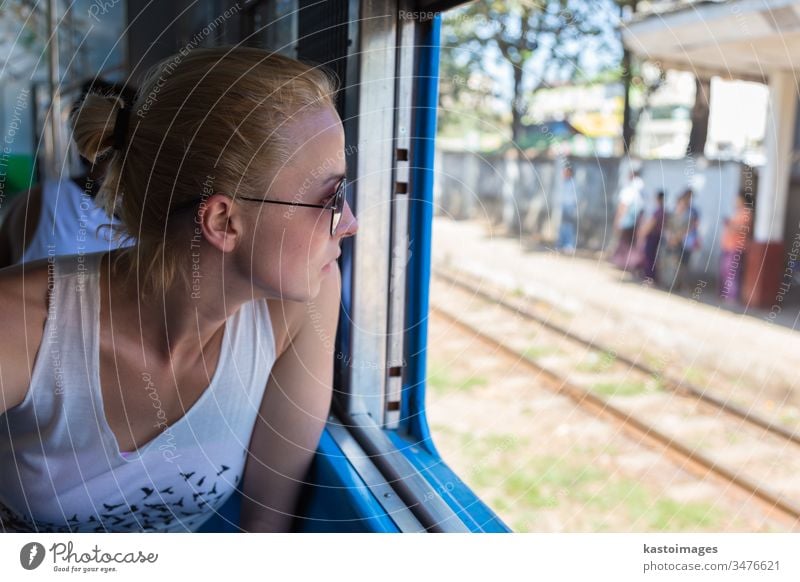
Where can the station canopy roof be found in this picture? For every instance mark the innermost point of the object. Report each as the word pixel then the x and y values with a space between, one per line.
pixel 737 39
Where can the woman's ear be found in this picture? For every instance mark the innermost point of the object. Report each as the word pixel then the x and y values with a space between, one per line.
pixel 219 223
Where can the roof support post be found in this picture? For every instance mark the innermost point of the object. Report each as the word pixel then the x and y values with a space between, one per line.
pixel 764 263
pixel 773 183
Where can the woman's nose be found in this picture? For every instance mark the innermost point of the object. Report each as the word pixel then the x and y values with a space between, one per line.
pixel 349 223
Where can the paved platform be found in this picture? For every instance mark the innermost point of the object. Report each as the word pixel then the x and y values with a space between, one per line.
pixel 749 351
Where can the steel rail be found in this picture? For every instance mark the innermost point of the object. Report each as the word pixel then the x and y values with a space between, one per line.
pixel 694 461
pixel 674 384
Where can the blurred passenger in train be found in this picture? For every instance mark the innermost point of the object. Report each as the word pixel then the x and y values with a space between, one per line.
pixel 649 237
pixel 568 226
pixel 733 248
pixel 682 238
pixel 629 210
pixel 60 217
pixel 199 361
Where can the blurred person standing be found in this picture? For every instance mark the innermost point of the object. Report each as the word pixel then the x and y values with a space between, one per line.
pixel 568 225
pixel 629 210
pixel 60 217
pixel 733 248
pixel 650 239
pixel 682 238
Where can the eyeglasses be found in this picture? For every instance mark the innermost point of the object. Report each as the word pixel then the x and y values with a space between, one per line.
pixel 336 204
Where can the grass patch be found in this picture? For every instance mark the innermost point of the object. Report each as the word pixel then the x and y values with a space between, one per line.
pixel 442 429
pixel 501 442
pixel 531 492
pixel 659 384
pixel 671 515
pixel 520 525
pixel 660 514
pixel 656 363
pixel 619 388
pixel 438 379
pixel 790 418
pixel 597 363
pixel 536 352
pixel 603 500
pixel 543 483
pixel 695 376
pixel 734 438
pixel 441 380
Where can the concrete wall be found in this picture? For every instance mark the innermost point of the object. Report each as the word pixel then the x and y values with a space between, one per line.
pixel 522 195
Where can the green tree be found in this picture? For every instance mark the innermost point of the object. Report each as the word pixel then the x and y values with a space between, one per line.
pixel 466 98
pixel 546 41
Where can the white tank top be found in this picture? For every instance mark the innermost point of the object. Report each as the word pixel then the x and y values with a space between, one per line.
pixel 68 223
pixel 62 469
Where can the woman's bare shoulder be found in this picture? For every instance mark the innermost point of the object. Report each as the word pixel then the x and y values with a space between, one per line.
pixel 23 311
pixel 24 289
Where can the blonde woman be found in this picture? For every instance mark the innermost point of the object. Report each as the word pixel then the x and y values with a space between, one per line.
pixel 142 387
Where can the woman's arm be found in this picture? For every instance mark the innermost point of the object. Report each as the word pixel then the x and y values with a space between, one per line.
pixel 19 225
pixel 23 312
pixel 292 416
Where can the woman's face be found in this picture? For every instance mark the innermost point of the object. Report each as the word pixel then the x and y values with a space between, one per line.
pixel 292 246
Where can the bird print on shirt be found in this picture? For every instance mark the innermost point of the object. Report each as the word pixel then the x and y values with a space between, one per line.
pixel 157 508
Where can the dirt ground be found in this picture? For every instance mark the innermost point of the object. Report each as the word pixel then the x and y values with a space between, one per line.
pixel 745 355
pixel 544 465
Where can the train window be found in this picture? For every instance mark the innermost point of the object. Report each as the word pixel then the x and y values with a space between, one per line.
pixel 373 346
pixel 376 442
pixel 272 25
pixel 588 367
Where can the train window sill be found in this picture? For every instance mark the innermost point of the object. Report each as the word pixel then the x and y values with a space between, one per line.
pixel 347 492
pixel 367 479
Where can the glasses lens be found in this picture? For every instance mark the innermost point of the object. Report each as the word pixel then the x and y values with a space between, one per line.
pixel 338 205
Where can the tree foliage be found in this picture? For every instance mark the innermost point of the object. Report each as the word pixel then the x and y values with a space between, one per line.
pixel 540 42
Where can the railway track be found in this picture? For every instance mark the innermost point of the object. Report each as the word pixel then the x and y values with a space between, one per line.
pixel 699 431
